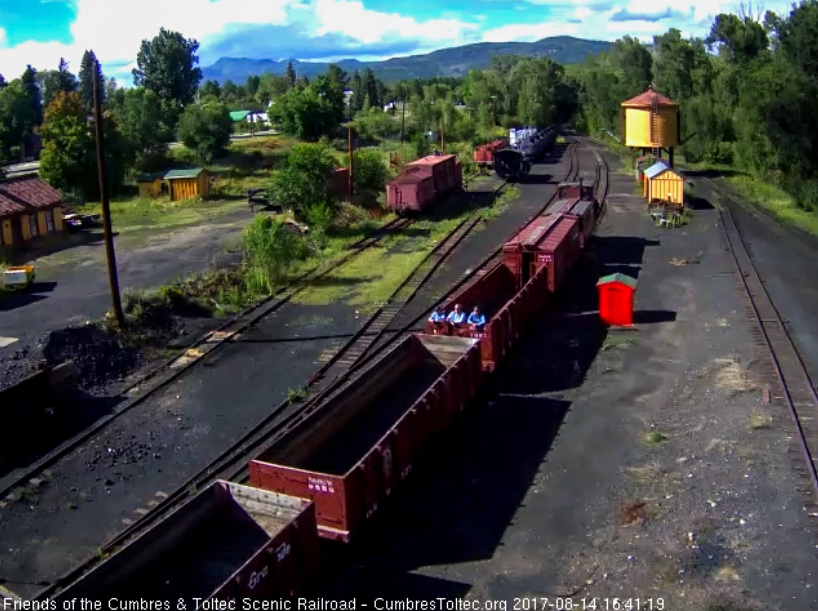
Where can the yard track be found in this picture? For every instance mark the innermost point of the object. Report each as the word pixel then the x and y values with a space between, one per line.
pixel 182 362
pixel 786 365
pixel 338 373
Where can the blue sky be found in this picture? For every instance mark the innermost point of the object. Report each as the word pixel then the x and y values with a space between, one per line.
pixel 41 31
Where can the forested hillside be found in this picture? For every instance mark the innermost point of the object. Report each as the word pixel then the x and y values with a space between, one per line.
pixel 747 93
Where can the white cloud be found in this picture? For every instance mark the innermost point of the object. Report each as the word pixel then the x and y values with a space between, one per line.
pixel 352 18
pixel 2 37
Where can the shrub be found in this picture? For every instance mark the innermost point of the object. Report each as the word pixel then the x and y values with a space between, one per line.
pixel 206 129
pixel 269 250
pixel 303 182
pixel 370 171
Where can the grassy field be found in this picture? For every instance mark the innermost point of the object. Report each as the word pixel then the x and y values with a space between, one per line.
pixel 371 278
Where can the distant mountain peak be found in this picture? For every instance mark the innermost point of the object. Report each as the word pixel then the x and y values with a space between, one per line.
pixel 454 61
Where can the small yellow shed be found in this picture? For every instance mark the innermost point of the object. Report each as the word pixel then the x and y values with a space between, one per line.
pixel 662 183
pixel 187 184
pixel 150 185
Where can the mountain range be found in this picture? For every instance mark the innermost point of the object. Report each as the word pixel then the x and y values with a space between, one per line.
pixel 455 61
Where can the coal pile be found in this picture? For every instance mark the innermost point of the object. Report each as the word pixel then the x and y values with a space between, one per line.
pixel 18 365
pixel 100 357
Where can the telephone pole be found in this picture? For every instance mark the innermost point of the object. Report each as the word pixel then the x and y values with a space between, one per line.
pixel 113 279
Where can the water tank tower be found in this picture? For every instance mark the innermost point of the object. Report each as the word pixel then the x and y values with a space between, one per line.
pixel 652 124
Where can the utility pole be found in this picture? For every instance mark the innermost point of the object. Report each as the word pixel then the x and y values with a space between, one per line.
pixel 351 169
pixel 113 279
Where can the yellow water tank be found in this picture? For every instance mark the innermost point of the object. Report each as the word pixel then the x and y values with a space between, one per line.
pixel 651 121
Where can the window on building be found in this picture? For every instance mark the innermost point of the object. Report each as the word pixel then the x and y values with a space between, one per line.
pixel 49 221
pixel 32 225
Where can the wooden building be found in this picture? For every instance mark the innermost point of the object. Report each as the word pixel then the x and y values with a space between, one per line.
pixel 652 124
pixel 663 184
pixel 188 184
pixel 29 207
pixel 150 185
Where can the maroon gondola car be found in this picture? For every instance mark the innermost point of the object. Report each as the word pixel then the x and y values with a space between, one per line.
pixel 553 241
pixel 443 170
pixel 508 311
pixel 228 542
pixel 350 452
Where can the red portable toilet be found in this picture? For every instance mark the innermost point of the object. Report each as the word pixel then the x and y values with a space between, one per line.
pixel 616 300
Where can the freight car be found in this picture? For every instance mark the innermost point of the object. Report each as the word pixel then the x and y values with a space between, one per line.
pixel 526 147
pixel 227 542
pixel 340 461
pixel 424 183
pixel 553 242
pixel 508 311
pixel 351 453
pixel 484 155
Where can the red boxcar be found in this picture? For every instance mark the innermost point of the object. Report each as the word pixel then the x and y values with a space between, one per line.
pixel 507 311
pixel 585 211
pixel 228 542
pixel 349 454
pixel 443 170
pixel 482 154
pixel 414 190
pixel 458 175
pixel 553 241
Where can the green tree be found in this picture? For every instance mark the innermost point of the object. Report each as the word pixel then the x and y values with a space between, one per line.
pixel 52 81
pixel 306 114
pixel 206 129
pixel 303 183
pixel 16 117
pixel 34 101
pixel 370 171
pixel 68 159
pixel 167 65
pixel 140 120
pixel 210 89
pixel 290 75
pixel 88 66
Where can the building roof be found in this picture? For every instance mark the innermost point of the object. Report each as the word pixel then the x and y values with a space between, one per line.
pixel 239 115
pixel 27 193
pixel 657 168
pixel 621 278
pixel 190 173
pixel 645 100
pixel 150 177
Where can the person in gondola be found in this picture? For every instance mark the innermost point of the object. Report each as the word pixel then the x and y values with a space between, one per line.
pixel 437 315
pixel 457 316
pixel 476 320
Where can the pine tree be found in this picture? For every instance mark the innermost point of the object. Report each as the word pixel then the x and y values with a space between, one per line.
pixel 290 74
pixel 357 101
pixel 67 82
pixel 86 79
pixel 3 82
pixel 370 87
pixel 34 100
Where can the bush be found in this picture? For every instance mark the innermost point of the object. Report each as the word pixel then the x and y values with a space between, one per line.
pixel 304 180
pixel 421 144
pixel 269 250
pixel 206 129
pixel 370 171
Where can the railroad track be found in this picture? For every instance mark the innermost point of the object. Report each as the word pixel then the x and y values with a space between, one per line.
pixel 232 464
pixel 338 372
pixel 796 387
pixel 173 368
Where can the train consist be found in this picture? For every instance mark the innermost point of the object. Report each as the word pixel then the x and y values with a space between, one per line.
pixel 424 183
pixel 484 154
pixel 342 459
pixel 525 147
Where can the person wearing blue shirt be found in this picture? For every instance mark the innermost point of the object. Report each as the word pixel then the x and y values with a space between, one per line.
pixel 476 319
pixel 456 316
pixel 437 316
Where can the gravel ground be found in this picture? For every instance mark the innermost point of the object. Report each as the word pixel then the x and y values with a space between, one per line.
pixel 90 495
pixel 72 286
pixel 625 464
pixel 784 257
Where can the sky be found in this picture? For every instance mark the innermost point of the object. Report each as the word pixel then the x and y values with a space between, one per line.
pixel 40 32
